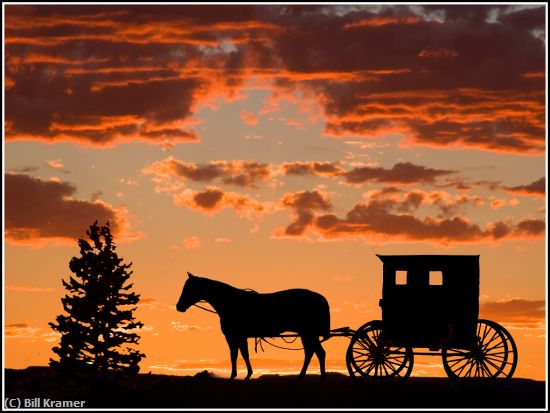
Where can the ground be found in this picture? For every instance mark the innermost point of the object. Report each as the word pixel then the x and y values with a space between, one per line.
pixel 270 391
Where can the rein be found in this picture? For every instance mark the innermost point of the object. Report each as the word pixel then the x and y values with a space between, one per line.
pixel 258 340
pixel 205 309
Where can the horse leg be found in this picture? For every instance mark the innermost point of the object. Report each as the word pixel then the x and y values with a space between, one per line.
pixel 243 346
pixel 308 350
pixel 320 352
pixel 234 352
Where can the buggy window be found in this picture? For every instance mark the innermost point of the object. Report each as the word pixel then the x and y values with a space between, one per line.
pixel 436 278
pixel 401 278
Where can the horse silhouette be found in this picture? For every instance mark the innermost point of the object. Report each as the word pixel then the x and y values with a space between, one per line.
pixel 246 313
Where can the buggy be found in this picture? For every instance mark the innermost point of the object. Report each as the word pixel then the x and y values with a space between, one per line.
pixel 431 302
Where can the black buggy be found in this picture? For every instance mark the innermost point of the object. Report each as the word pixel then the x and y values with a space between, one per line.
pixel 431 302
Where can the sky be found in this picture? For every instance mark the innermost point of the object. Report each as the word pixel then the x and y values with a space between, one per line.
pixel 273 147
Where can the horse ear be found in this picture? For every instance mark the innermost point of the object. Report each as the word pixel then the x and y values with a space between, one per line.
pixel 190 275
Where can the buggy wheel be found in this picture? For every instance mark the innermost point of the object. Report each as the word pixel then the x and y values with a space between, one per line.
pixel 491 362
pixel 371 358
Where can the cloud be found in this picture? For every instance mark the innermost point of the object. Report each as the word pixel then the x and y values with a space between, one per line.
pixel 304 204
pixel 239 173
pixel 81 73
pixel 20 330
pixel 401 173
pixel 182 328
pixel 56 164
pixel 503 111
pixel 27 332
pixel 387 215
pixel 249 118
pixel 148 302
pixel 536 188
pixel 499 203
pixel 27 288
pixel 213 199
pixel 531 227
pixel 24 170
pixel 327 169
pixel 38 211
pixel 517 312
pixel 189 243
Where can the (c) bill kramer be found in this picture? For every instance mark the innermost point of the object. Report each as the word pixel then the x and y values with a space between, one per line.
pixel 38 402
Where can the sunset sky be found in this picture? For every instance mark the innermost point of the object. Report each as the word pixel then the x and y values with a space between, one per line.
pixel 273 147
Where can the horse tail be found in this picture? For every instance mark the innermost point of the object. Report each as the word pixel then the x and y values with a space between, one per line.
pixel 325 327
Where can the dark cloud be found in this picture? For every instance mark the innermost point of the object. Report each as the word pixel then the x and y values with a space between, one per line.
pixel 537 188
pixel 312 168
pixel 239 173
pixel 531 227
pixel 405 173
pixel 38 210
pixel 310 200
pixel 384 214
pixel 208 199
pixel 443 75
pixel 304 204
pixel 400 173
pixel 212 199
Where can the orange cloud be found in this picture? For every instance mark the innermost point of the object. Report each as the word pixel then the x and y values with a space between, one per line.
pixel 182 328
pixel 178 57
pixel 506 122
pixel 328 169
pixel 192 242
pixel 27 288
pixel 240 173
pixel 387 215
pixel 20 330
pixel 212 199
pixel 38 211
pixel 249 118
pixel 517 312
pixel 56 164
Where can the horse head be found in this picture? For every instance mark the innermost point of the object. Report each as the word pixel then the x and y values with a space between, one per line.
pixel 190 294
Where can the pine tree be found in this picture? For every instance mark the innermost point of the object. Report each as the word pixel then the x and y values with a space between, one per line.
pixel 99 328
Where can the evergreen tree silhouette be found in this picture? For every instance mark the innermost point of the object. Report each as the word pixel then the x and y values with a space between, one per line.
pixel 99 328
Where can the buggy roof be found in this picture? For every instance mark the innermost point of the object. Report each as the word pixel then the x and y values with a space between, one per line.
pixel 428 260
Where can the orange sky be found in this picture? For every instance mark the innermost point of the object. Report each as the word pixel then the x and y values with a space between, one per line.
pixel 273 147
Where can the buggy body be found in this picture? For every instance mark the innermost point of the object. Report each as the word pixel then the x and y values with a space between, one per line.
pixel 430 300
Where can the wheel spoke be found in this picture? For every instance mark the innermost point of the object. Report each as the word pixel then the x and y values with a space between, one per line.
pixel 465 361
pixel 486 369
pixel 459 352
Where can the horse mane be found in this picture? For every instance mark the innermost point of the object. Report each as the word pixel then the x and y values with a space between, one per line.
pixel 225 287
